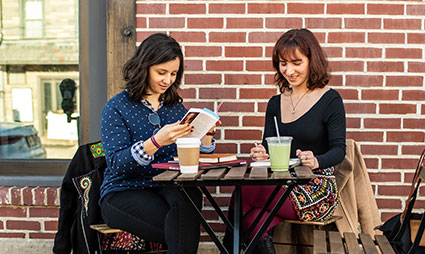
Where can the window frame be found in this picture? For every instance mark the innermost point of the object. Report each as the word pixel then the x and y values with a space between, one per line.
pixel 94 64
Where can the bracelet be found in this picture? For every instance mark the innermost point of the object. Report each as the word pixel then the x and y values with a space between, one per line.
pixel 155 143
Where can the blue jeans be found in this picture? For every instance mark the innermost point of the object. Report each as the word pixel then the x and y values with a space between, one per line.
pixel 156 214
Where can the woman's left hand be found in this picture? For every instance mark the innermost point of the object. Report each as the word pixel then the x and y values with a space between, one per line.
pixel 307 159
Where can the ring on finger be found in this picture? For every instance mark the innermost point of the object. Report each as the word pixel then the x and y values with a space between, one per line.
pixel 306 157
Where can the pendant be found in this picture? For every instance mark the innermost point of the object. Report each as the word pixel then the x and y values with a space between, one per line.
pixel 293 112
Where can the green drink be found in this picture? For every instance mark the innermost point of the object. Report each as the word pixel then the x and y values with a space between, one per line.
pixel 279 150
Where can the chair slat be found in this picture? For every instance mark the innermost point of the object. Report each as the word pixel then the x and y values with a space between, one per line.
pixel 190 176
pixel 368 244
pixel 258 174
pixel 335 242
pixel 105 229
pixel 319 242
pixel 236 173
pixel 316 223
pixel 213 174
pixel 384 244
pixel 352 243
pixel 167 175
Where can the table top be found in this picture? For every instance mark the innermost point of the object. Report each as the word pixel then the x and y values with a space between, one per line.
pixel 241 175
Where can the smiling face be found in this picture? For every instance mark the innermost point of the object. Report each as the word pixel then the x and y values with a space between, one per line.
pixel 162 76
pixel 295 69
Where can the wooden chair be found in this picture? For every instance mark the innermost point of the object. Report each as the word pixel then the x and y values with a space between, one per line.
pixel 333 243
pixel 104 229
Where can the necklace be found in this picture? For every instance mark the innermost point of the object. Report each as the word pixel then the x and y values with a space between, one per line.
pixel 296 104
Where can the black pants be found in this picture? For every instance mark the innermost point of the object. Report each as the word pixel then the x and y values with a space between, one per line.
pixel 156 214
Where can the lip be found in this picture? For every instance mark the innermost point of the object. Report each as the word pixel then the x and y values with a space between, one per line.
pixel 164 87
pixel 293 79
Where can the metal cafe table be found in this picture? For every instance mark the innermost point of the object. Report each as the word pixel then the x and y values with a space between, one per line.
pixel 236 176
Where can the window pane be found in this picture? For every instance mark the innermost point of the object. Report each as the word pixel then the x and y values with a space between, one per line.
pixel 32 121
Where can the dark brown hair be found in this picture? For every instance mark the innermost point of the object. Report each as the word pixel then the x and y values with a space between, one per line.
pixel 307 44
pixel 156 49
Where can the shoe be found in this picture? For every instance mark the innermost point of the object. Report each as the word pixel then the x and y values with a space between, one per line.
pixel 264 246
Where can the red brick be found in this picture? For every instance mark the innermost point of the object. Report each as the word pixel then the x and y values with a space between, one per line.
pixel 229 121
pixel 51 225
pixel 246 148
pixel 416 66
pixel 363 52
pixel 404 81
pixel 348 94
pixel 388 203
pixel 423 109
pixel 385 177
pixel 12 235
pixel 393 190
pixel 140 36
pixel 405 136
pixel 283 22
pixel 227 37
pixel 202 51
pixel 380 94
pixel 212 189
pixel 403 53
pixel 166 22
pixel 345 8
pixel 262 107
pixel 224 65
pixel 259 65
pixel 217 93
pixel 187 93
pixel 403 24
pixel 323 23
pixel 226 8
pixel 242 79
pixel 415 9
pixel 24 225
pixel 39 196
pixel 364 80
pixel 379 149
pixel 16 196
pixel 243 51
pixel 242 134
pixel 336 80
pixel 43 212
pixel 237 107
pixel 333 51
pixel 205 22
pixel 414 123
pixel 197 104
pixel 387 215
pixel 258 8
pixel 253 121
pixel 397 109
pixel 353 122
pixel 221 201
pixel 210 214
pixel 187 8
pixel 371 163
pixel 362 23
pixel 227 189
pixel 347 37
pixel 141 22
pixel 395 38
pixel 385 9
pixel 346 65
pixel 193 65
pixel 356 108
pixel 374 136
pixel 412 150
pixel 13 212
pixel 263 37
pixel 27 194
pixel 226 148
pixel 150 8
pixel 256 93
pixel 244 23
pixel 301 8
pixel 202 79
pixel 413 95
pixel 414 38
pixel 385 66
pixel 4 196
pixel 42 235
pixel 189 36
pixel 381 123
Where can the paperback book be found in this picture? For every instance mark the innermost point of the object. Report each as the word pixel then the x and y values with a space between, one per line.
pixel 201 119
pixel 214 157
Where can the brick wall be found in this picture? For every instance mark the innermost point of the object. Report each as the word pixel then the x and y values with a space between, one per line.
pixel 376 54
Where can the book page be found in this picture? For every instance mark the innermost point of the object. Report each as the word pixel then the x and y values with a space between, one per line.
pixel 202 120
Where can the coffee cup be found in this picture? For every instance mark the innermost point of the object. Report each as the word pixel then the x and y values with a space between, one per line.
pixel 188 153
pixel 279 151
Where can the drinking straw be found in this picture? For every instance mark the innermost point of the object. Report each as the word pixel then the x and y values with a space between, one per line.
pixel 218 107
pixel 275 124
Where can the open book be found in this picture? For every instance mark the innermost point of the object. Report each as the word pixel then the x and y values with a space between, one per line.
pixel 214 157
pixel 201 119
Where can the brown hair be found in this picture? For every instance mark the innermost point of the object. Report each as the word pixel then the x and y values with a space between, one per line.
pixel 156 49
pixel 307 44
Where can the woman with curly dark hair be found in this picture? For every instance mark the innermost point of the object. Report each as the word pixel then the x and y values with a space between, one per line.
pixel 314 116
pixel 139 127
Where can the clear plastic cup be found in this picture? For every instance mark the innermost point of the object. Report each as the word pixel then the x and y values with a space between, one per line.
pixel 279 151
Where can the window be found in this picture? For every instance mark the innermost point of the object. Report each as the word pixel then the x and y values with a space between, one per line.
pixel 33 18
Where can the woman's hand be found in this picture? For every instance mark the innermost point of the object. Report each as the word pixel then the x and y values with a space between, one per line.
pixel 258 153
pixel 307 158
pixel 171 132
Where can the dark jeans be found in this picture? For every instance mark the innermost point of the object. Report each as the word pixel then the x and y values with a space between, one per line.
pixel 156 214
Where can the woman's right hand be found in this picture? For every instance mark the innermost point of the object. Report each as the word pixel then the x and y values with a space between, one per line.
pixel 171 132
pixel 258 153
